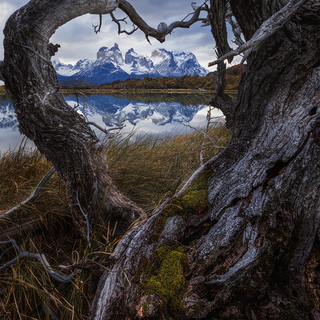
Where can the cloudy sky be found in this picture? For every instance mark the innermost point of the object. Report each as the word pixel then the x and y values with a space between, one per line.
pixel 78 41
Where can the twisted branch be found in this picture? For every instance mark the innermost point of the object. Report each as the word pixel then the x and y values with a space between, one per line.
pixel 117 21
pixel 162 30
pixel 267 29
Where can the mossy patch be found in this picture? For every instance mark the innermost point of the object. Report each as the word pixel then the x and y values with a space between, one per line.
pixel 164 278
pixel 194 200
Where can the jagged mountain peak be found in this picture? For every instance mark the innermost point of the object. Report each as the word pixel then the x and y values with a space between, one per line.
pixel 115 47
pixel 110 66
pixel 131 50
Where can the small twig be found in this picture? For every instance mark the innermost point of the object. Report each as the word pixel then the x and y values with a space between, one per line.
pixel 236 31
pixel 97 28
pixel 117 21
pixel 201 89
pixel 39 257
pixel 84 215
pixel 32 196
pixel 208 117
pixel 104 130
pixel 126 277
pixel 78 103
pixel 214 145
pixel 13 232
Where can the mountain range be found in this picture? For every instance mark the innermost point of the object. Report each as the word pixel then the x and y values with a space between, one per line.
pixel 110 66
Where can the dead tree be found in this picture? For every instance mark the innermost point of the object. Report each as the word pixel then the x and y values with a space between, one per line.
pixel 240 239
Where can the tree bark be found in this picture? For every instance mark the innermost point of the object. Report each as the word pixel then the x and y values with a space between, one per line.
pixel 240 240
pixel 58 131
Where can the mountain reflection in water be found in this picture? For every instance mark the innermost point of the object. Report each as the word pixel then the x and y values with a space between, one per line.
pixel 153 113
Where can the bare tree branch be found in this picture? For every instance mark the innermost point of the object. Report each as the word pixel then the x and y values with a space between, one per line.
pixel 32 196
pixel 268 28
pixel 117 21
pixel 40 257
pixel 205 134
pixel 85 217
pixel 236 31
pixel 97 28
pixel 162 30
pixel 78 103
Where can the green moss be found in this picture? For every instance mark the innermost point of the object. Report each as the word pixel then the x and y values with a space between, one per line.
pixel 194 200
pixel 164 278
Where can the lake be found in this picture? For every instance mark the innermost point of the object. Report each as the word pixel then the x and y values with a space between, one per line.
pixel 146 112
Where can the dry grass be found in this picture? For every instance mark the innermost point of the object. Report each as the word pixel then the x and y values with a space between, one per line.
pixel 147 168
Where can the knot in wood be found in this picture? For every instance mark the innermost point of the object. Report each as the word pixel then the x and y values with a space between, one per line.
pixel 53 48
pixel 162 28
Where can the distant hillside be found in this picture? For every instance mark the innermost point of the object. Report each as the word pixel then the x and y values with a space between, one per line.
pixel 75 83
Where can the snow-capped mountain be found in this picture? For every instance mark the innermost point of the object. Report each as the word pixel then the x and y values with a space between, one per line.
pixel 110 66
pixel 69 69
pixel 176 64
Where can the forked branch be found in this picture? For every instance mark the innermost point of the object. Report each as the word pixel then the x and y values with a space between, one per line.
pixel 117 21
pixel 162 30
pixel 268 28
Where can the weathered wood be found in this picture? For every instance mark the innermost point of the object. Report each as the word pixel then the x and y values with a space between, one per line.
pixel 269 27
pixel 252 253
pixel 58 131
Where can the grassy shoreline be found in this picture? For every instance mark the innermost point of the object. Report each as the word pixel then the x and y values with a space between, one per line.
pixel 115 91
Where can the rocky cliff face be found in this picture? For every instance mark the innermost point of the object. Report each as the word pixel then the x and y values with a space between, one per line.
pixel 110 66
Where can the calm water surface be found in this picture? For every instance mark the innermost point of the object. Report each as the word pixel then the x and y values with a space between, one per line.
pixel 148 113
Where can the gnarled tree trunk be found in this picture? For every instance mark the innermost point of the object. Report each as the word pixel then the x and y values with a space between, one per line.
pixel 59 132
pixel 239 242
